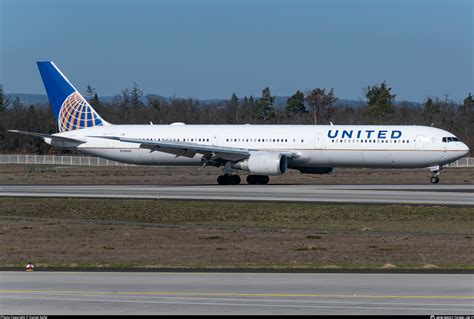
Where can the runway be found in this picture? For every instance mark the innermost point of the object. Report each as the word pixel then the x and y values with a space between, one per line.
pixel 372 194
pixel 234 293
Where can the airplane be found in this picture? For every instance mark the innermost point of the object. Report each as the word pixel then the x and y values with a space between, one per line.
pixel 261 150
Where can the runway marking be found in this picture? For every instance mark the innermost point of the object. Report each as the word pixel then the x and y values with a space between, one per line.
pixel 224 294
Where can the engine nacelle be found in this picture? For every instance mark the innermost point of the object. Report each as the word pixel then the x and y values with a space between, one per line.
pixel 315 170
pixel 264 164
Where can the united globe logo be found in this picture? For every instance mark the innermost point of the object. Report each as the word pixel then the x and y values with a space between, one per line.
pixel 76 113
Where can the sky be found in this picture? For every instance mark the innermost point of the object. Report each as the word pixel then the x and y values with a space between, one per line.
pixel 211 49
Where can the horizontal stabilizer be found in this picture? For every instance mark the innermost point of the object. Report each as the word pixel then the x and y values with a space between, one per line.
pixel 56 137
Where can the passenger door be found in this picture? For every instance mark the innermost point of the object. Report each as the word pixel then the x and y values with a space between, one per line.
pixel 420 143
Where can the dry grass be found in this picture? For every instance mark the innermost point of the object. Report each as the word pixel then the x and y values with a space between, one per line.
pixel 151 234
pixel 38 174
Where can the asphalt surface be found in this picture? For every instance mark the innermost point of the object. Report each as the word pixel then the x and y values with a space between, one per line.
pixel 120 293
pixel 374 194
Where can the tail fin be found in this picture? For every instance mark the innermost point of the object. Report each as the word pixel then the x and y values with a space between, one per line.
pixel 71 110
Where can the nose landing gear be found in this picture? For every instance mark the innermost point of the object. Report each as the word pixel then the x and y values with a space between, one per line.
pixel 435 171
pixel 434 179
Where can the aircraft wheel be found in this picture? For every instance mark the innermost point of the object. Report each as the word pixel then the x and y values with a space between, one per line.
pixel 222 180
pixel 252 179
pixel 228 180
pixel 434 180
pixel 263 179
pixel 235 179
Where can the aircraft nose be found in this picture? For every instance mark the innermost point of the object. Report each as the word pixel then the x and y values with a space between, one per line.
pixel 465 149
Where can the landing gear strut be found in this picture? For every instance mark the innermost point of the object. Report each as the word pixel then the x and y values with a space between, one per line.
pixel 228 178
pixel 435 174
pixel 258 179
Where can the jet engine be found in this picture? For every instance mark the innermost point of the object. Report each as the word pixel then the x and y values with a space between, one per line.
pixel 264 164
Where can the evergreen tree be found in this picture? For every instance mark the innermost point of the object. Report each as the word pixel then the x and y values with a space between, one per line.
pixel 263 107
pixel 430 109
pixel 379 102
pixel 93 98
pixel 95 102
pixel 136 96
pixel 4 99
pixel 251 100
pixel 233 109
pixel 90 91
pixel 295 104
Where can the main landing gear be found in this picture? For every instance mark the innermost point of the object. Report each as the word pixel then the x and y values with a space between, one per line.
pixel 435 174
pixel 258 179
pixel 235 179
pixel 228 180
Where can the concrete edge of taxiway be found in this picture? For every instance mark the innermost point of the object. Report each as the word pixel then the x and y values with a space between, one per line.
pixel 250 270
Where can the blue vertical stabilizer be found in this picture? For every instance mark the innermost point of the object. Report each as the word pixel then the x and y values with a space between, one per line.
pixel 71 110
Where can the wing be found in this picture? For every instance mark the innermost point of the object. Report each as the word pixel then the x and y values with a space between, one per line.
pixel 211 153
pixel 187 149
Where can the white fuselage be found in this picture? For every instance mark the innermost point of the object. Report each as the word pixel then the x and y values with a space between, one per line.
pixel 316 145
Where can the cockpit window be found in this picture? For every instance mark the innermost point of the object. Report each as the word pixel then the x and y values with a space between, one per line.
pixel 450 139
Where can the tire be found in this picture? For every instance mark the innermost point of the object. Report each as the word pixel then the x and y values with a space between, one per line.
pixel 434 180
pixel 263 179
pixel 222 180
pixel 252 179
pixel 234 179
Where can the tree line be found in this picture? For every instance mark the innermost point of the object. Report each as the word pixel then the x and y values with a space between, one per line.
pixel 317 106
